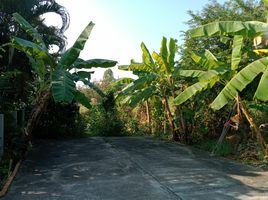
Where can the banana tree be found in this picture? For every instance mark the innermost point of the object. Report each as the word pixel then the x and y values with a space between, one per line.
pixel 56 73
pixel 155 78
pixel 239 78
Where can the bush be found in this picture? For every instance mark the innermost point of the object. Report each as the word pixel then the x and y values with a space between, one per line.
pixel 224 149
pixel 60 120
pixel 102 123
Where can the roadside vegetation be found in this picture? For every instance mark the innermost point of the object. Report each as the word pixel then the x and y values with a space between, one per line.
pixel 210 92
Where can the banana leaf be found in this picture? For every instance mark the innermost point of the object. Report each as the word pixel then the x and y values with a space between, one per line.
pixel 241 80
pixel 27 27
pixel 63 86
pixel 236 51
pixel 81 98
pixel 194 89
pixel 87 64
pixel 71 55
pixel 141 96
pixel 250 29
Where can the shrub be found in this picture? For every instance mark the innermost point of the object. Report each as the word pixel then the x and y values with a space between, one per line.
pixel 60 120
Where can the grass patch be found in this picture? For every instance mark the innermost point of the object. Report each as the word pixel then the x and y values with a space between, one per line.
pixel 224 150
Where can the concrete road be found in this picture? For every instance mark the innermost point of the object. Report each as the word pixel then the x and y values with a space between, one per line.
pixel 131 168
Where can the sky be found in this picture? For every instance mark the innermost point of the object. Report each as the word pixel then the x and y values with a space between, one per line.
pixel 121 26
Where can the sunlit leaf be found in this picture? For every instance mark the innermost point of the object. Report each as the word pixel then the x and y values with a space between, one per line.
pixel 71 55
pixel 247 29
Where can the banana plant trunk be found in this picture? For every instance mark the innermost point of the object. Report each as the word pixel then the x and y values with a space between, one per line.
pixel 175 136
pixel 179 114
pixel 39 107
pixel 255 129
pixel 148 115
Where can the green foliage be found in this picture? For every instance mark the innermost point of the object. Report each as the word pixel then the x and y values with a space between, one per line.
pixel 224 150
pixel 26 26
pixel 155 74
pixel 246 29
pixel 61 80
pixel 241 80
pixel 104 63
pixel 102 123
pixel 63 86
pixel 214 12
pixel 71 55
pixel 60 121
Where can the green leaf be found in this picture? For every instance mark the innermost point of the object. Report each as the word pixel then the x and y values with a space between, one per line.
pixel 259 107
pixel 247 29
pixel 39 67
pixel 124 67
pixel 262 90
pixel 87 64
pixel 207 60
pixel 82 75
pixel 31 49
pixel 224 39
pixel 172 52
pixel 82 99
pixel 71 55
pixel 217 72
pixel 141 96
pixel 239 82
pixel 207 79
pixel 121 82
pixel 163 49
pixel 27 27
pixel 236 51
pixel 163 66
pixel 265 2
pixel 191 91
pixel 190 73
pixel 146 56
pixel 63 86
pixel 136 67
pixel 124 81
pixel 164 55
pixel 138 84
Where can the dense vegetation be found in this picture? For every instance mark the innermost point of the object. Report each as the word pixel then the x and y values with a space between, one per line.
pixel 214 96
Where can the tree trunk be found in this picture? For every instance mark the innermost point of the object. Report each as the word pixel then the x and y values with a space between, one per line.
pixel 255 129
pixel 148 114
pixel 175 136
pixel 182 123
pixel 39 107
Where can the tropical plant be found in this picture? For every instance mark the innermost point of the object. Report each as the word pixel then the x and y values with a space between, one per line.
pixel 230 10
pixel 156 76
pixel 21 88
pixel 33 11
pixel 239 80
pixel 55 74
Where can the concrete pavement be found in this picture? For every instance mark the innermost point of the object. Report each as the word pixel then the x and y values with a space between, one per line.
pixel 131 168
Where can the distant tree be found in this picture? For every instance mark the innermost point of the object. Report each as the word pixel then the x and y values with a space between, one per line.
pixel 108 78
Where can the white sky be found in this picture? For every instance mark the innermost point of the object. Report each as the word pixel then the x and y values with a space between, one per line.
pixel 121 25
